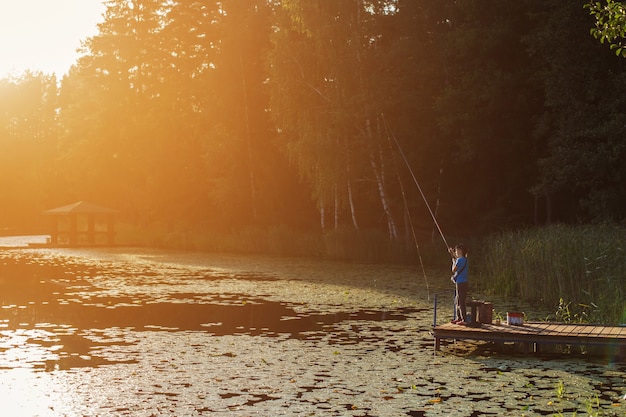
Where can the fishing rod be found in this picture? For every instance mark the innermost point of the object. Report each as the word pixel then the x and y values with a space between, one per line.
pixel 406 161
pixel 408 214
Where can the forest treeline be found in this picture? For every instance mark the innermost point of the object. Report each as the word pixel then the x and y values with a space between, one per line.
pixel 325 116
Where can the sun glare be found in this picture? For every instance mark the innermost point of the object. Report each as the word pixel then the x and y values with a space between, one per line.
pixel 43 35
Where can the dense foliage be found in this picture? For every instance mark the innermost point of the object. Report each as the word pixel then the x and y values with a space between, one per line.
pixel 610 24
pixel 231 116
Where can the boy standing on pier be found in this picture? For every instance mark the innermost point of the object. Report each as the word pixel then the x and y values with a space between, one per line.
pixel 460 278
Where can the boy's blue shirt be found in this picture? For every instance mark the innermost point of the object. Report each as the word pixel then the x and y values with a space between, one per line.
pixel 461 270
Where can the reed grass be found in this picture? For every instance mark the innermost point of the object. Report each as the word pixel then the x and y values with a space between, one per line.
pixel 583 267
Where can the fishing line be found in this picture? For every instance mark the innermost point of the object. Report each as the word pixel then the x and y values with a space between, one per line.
pixel 417 246
pixel 406 161
pixel 407 212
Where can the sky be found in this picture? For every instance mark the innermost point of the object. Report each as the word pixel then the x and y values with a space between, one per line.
pixel 43 35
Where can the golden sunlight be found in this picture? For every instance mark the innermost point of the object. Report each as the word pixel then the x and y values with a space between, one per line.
pixel 43 35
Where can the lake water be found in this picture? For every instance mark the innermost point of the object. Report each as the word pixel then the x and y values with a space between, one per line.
pixel 137 332
pixel 22 241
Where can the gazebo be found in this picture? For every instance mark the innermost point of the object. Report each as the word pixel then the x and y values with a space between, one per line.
pixel 82 223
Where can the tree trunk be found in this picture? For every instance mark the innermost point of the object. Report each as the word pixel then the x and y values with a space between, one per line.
pixel 352 208
pixel 378 169
pixel 248 141
pixel 336 208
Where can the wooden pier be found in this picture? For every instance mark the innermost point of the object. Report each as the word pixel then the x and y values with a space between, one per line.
pixel 535 333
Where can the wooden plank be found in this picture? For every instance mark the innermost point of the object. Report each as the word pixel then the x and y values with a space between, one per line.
pixel 544 327
pixel 553 329
pixel 605 331
pixel 541 328
pixel 586 330
pixel 578 331
pixel 615 332
pixel 596 331
pixel 568 329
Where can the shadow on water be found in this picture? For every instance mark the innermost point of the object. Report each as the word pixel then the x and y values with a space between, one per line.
pixel 41 313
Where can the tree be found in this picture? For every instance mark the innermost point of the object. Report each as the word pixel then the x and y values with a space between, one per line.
pixel 582 124
pixel 28 132
pixel 341 73
pixel 169 111
pixel 243 183
pixel 137 111
pixel 610 24
pixel 109 108
pixel 486 113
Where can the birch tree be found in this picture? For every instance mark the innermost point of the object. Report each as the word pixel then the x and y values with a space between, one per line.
pixel 324 101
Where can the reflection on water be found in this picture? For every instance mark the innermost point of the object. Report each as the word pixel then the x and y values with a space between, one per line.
pixel 22 241
pixel 57 314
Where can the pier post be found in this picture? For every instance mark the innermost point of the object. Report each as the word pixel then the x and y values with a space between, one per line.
pixel 435 311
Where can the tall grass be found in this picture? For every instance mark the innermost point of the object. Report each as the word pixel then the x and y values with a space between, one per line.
pixel 583 266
